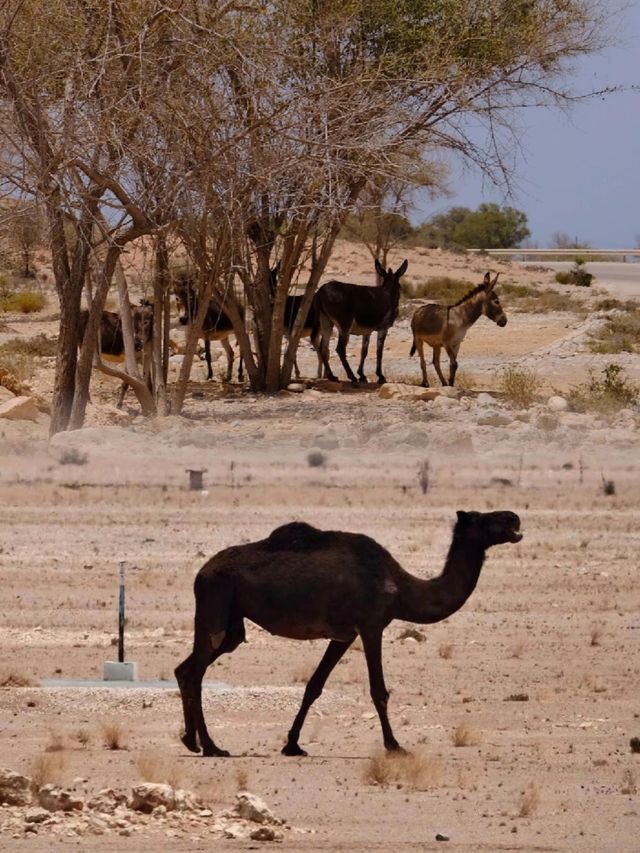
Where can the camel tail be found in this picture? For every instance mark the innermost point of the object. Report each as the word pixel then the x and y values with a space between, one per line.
pixel 413 348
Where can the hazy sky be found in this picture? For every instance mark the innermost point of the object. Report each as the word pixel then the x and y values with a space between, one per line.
pixel 578 173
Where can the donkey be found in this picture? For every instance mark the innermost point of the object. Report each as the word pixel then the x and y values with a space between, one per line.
pixel 446 325
pixel 216 326
pixel 357 310
pixel 111 340
pixel 291 310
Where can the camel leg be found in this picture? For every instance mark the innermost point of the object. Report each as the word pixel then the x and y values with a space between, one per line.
pixel 436 364
pixel 240 371
pixel 372 642
pixel 335 650
pixel 315 343
pixel 363 354
pixel 207 355
pixel 452 352
pixel 326 327
pixel 341 349
pixel 380 339
pixel 423 363
pixel 229 351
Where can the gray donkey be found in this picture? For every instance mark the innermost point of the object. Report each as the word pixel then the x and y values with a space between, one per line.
pixel 446 325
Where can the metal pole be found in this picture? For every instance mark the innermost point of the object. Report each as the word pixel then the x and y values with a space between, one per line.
pixel 121 615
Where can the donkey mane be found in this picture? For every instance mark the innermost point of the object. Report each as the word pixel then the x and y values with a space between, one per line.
pixel 479 288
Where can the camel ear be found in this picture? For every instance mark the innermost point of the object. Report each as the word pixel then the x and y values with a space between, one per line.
pixel 380 269
pixel 402 268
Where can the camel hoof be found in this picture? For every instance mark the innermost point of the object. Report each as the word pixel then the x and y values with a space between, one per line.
pixel 293 749
pixel 396 749
pixel 382 380
pixel 190 743
pixel 354 382
pixel 362 378
pixel 213 751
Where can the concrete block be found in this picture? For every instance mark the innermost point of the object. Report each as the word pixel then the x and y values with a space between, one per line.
pixel 115 671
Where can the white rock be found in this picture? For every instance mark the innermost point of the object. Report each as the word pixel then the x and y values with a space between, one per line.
pixel 557 404
pixel 56 799
pixel 251 807
pixel 19 409
pixel 147 796
pixel 36 815
pixel 106 801
pixel 15 789
pixel 484 399
pixel 402 391
pixel 493 418
pixel 442 402
pixel 296 387
pixel 5 394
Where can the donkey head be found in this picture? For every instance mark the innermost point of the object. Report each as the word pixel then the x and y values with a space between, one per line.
pixel 142 324
pixel 389 278
pixel 491 307
pixel 186 300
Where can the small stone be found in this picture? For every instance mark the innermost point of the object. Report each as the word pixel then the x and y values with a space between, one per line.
pixel 20 409
pixel 251 807
pixel 36 815
pixel 15 789
pixel 265 833
pixel 484 399
pixel 492 417
pixel 56 799
pixel 295 387
pixel 557 404
pixel 440 836
pixel 146 797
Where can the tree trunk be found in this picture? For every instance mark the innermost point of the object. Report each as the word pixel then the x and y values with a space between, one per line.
pixel 160 351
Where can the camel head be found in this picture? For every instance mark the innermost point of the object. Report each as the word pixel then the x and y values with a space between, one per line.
pixel 489 528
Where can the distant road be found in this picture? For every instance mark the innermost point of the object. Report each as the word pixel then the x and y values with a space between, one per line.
pixel 621 280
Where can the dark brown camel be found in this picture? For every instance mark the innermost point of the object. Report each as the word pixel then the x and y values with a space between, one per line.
pixel 357 309
pixel 308 584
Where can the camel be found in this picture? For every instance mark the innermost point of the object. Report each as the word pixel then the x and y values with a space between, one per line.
pixel 306 584
pixel 446 325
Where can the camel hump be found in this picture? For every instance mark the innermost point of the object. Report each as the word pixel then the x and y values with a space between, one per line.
pixel 296 536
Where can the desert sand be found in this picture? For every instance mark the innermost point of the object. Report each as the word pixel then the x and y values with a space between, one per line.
pixel 517 711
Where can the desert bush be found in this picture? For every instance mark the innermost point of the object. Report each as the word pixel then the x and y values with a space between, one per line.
pixel 22 301
pixel 529 801
pixel 112 735
pixel 416 770
pixel 528 299
pixel 39 346
pixel 439 288
pixel 577 275
pixel 156 766
pixel 12 678
pixel 520 385
pixel 606 395
pixel 621 332
pixel 464 735
pixel 316 459
pixel 47 769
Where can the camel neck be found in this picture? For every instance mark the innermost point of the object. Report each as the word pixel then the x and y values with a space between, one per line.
pixel 432 600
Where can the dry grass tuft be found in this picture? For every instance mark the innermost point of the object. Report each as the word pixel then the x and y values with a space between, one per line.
pixel 23 301
pixel 520 386
pixel 47 769
pixel 529 801
pixel 596 635
pixel 157 766
pixel 415 770
pixel 464 735
pixel 629 783
pixel 83 736
pixel 112 735
pixel 445 650
pixel 56 742
pixel 517 648
pixel 11 678
pixel 242 778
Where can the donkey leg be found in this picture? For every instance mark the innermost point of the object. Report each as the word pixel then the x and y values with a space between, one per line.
pixel 326 327
pixel 207 355
pixel 452 352
pixel 335 650
pixel 341 349
pixel 230 354
pixel 436 364
pixel 372 642
pixel 380 339
pixel 363 354
pixel 423 363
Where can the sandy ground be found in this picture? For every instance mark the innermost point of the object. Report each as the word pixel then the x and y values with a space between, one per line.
pixel 540 665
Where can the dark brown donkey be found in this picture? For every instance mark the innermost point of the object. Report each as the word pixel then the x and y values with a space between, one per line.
pixel 291 311
pixel 446 325
pixel 111 340
pixel 216 325
pixel 309 584
pixel 357 309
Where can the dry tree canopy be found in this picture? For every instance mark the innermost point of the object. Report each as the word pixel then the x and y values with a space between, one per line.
pixel 251 129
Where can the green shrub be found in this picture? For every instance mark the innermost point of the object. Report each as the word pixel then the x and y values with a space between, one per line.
pixel 577 275
pixel 520 386
pixel 22 301
pixel 614 391
pixel 438 288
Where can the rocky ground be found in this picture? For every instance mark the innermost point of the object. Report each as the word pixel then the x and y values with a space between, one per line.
pixel 518 710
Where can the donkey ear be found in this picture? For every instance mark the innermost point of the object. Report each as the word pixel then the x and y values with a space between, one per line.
pixel 380 269
pixel 495 280
pixel 487 279
pixel 402 268
pixel 462 516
